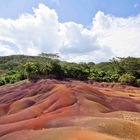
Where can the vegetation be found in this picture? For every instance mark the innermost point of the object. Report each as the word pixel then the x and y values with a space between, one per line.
pixel 49 55
pixel 127 79
pixel 19 67
pixel 138 82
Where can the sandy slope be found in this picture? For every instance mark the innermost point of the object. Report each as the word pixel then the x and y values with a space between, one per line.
pixel 73 110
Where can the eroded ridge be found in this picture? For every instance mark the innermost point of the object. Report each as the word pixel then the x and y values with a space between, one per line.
pixel 49 107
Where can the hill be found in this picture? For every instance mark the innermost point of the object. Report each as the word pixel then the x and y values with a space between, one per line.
pixel 44 98
pixel 19 67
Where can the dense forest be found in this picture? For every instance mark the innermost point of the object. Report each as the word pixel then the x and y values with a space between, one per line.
pixel 19 67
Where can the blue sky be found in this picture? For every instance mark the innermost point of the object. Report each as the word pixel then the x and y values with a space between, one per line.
pixel 79 11
pixel 79 30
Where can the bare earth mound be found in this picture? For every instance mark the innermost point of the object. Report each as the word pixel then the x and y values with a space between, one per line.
pixel 69 110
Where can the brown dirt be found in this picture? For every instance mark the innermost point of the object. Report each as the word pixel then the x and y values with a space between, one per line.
pixel 73 110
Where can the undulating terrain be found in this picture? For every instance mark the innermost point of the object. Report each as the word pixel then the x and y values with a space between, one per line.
pixel 69 110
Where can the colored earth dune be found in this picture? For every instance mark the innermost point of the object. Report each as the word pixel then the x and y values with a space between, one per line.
pixel 69 110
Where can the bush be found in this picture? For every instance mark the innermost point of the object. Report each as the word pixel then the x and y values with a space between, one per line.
pixel 138 82
pixel 127 79
pixel 56 70
pixel 7 79
pixel 2 81
pixel 115 77
pixel 39 70
pixel 22 75
pixel 14 78
pixel 106 79
pixel 32 71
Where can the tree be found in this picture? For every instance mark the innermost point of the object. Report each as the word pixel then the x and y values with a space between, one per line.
pixel 127 79
pixel 32 71
pixel 131 65
pixel 56 70
pixel 19 67
pixel 49 55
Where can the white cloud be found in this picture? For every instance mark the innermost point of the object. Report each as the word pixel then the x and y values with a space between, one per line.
pixel 109 36
pixel 5 50
pixel 121 35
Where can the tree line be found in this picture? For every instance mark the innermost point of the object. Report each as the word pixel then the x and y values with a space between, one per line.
pixel 20 67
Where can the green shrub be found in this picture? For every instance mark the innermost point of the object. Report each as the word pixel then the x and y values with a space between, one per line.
pixel 32 71
pixel 115 77
pixel 56 70
pixel 127 79
pixel 11 72
pixel 138 82
pixel 14 78
pixel 22 75
pixel 95 78
pixel 7 79
pixel 11 78
pixel 2 81
pixel 106 78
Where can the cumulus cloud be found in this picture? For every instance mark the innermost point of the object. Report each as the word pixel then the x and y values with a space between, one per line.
pixel 42 31
pixel 121 35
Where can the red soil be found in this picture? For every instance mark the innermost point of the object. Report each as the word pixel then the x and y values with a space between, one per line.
pixel 54 104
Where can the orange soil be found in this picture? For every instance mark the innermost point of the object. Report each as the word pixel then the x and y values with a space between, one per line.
pixel 73 110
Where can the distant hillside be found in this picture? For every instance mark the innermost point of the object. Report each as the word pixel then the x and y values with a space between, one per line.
pixel 15 61
pixel 19 67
